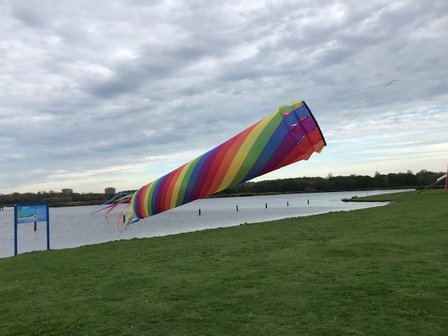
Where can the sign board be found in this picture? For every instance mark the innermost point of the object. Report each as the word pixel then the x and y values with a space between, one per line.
pixel 31 213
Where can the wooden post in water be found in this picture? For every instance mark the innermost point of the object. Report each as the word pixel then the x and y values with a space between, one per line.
pixel 237 208
pixel 265 205
pixel 287 203
pixel 199 212
pixel 35 226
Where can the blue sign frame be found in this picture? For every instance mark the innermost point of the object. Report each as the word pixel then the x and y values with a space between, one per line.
pixel 31 213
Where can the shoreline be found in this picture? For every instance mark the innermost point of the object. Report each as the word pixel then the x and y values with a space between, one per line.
pixel 60 204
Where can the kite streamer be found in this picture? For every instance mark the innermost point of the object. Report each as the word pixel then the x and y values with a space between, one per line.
pixel 288 135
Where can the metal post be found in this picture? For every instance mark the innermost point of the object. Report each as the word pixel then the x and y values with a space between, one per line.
pixel 48 227
pixel 15 230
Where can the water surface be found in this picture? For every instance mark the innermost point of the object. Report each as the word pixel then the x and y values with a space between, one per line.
pixel 77 226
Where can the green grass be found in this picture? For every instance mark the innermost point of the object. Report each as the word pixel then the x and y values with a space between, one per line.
pixel 378 271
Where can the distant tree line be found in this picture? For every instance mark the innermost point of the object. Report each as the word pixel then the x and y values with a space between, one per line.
pixel 336 183
pixel 290 185
pixel 54 198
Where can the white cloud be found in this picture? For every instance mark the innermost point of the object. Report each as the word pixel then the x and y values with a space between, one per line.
pixel 121 92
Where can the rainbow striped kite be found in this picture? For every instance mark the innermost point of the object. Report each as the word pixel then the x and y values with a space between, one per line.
pixel 288 135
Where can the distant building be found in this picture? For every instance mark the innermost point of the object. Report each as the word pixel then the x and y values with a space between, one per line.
pixel 110 191
pixel 67 191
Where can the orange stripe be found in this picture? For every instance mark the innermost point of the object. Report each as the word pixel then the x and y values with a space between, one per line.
pixel 210 174
pixel 228 159
pixel 168 191
pixel 142 200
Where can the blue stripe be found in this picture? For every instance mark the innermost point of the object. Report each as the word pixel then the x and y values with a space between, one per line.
pixel 156 195
pixel 276 140
pixel 193 179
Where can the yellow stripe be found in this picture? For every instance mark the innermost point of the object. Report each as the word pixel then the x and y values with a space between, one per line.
pixel 235 166
pixel 148 197
pixel 130 213
pixel 176 188
pixel 145 201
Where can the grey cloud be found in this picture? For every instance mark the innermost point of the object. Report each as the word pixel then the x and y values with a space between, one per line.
pixel 98 84
pixel 151 66
pixel 29 17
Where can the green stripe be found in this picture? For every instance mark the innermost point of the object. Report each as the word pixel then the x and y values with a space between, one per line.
pixel 257 148
pixel 150 191
pixel 286 107
pixel 183 186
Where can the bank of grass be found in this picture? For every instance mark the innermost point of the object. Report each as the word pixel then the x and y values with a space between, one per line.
pixel 379 271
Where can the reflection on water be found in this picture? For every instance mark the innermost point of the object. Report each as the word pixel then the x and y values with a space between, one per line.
pixel 77 226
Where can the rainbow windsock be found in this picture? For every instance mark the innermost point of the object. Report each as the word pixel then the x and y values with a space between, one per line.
pixel 288 135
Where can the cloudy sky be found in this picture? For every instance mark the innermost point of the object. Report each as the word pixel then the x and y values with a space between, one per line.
pixel 117 93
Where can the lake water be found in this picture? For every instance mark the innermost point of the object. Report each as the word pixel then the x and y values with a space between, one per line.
pixel 77 226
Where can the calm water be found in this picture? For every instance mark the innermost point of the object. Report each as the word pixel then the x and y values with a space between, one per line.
pixel 77 226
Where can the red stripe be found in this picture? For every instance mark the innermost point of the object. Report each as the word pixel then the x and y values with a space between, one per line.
pixel 217 160
pixel 205 170
pixel 303 147
pixel 141 199
pixel 227 159
pixel 168 190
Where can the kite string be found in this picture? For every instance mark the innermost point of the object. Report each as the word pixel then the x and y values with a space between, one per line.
pixel 367 97
pixel 342 104
pixel 351 113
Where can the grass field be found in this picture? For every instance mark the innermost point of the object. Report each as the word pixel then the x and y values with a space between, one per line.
pixel 379 271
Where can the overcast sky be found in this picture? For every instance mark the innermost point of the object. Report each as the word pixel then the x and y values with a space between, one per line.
pixel 117 93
